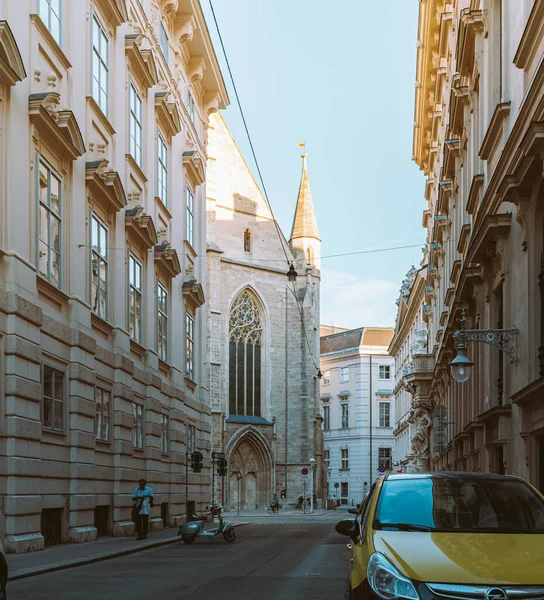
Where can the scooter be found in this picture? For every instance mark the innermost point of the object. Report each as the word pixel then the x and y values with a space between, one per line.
pixel 190 531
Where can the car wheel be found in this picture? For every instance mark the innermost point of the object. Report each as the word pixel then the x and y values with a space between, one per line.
pixel 3 593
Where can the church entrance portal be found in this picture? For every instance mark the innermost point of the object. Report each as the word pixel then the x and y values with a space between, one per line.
pixel 250 480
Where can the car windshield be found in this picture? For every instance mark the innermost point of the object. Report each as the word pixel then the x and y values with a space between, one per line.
pixel 459 504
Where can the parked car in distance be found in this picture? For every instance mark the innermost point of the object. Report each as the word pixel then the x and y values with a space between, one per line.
pixel 447 536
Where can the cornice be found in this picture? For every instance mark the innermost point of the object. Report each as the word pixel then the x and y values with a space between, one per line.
pixel 105 185
pixel 141 61
pixel 141 224
pixel 494 131
pixel 531 38
pixel 194 166
pixel 12 68
pixel 415 301
pixel 463 238
pixel 166 259
pixel 474 193
pixel 193 293
pixel 493 228
pixel 168 115
pixel 470 24
pixel 114 11
pixel 58 127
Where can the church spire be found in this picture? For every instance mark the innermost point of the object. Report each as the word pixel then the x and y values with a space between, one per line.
pixel 305 221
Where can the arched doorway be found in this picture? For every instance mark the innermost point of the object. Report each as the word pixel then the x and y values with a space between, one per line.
pixel 250 471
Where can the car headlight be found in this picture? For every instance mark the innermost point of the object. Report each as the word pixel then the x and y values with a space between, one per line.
pixel 387 581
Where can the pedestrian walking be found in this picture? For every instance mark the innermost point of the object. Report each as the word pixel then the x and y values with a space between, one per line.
pixel 334 502
pixel 142 504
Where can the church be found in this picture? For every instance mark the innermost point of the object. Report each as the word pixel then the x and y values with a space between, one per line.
pixel 263 334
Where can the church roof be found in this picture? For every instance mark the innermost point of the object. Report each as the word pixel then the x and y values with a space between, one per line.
pixel 338 342
pixel 305 222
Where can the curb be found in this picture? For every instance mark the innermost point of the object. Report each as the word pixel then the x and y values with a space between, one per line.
pixel 94 558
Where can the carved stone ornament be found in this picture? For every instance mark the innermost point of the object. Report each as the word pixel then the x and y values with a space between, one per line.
pixel 408 282
pixel 420 440
pixel 419 346
pixel 196 68
pixel 169 7
pixel 185 26
pixel 211 103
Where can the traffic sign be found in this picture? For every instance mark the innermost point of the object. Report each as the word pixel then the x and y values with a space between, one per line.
pixel 337 485
pixel 216 455
pixel 304 478
pixel 381 469
pixel 304 471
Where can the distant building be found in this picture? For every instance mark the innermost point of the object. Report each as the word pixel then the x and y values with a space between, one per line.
pixel 262 333
pixel 409 318
pixel 357 399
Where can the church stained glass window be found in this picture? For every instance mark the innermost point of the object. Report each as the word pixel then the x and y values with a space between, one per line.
pixel 245 337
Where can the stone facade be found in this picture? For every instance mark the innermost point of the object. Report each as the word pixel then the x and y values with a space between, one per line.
pixel 104 112
pixel 358 375
pixel 410 339
pixel 479 124
pixel 268 423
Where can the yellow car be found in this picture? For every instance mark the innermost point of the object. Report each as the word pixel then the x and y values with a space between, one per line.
pixel 447 536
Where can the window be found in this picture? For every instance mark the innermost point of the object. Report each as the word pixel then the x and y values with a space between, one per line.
pixel 191 106
pixel 135 126
pixel 385 372
pixel 99 65
pixel 165 440
pixel 53 399
pixel 50 14
pixel 163 42
pixel 344 374
pixel 345 415
pixel 99 268
pixel 245 356
pixel 102 415
pixel 189 344
pixel 162 322
pixel 190 216
pixel 191 439
pixel 385 414
pixel 326 377
pixel 50 225
pixel 326 458
pixel 326 417
pixel 134 298
pixel 162 170
pixel 247 240
pixel 345 458
pixel 384 458
pixel 138 426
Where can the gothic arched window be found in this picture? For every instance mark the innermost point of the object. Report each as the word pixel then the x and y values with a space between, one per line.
pixel 247 240
pixel 245 335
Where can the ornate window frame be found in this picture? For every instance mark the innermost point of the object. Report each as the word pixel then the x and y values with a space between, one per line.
pixel 12 68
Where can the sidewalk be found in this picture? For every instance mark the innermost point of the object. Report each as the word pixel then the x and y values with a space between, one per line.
pixel 72 555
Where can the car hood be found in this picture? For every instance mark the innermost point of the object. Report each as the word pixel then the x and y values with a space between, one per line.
pixel 471 558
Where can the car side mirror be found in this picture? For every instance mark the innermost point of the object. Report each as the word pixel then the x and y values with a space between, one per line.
pixel 353 511
pixel 347 527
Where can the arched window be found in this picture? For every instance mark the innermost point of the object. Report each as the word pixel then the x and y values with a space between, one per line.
pixel 245 335
pixel 247 240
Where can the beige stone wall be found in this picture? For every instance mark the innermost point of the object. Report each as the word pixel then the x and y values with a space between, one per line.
pixel 48 112
pixel 477 139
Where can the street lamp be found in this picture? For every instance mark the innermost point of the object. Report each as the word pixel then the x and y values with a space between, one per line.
pixel 313 463
pixel 504 339
pixel 461 365
pixel 292 274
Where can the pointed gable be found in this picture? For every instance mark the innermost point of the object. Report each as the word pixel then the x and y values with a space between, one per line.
pixel 305 221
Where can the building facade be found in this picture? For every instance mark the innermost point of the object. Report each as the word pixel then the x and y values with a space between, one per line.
pixel 262 333
pixel 479 119
pixel 407 341
pixel 358 407
pixel 104 108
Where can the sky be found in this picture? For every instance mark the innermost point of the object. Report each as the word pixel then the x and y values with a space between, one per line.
pixel 340 77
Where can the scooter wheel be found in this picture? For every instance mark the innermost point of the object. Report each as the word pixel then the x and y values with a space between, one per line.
pixel 229 536
pixel 188 539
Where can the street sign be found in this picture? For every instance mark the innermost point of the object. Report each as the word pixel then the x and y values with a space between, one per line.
pixel 337 485
pixel 440 412
pixel 304 471
pixel 216 455
pixel 381 469
pixel 304 478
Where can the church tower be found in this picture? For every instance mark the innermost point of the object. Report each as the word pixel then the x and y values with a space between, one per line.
pixel 305 241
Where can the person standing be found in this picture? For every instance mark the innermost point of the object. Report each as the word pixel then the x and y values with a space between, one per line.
pixel 143 503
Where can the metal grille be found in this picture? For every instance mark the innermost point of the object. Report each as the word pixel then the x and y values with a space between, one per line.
pixel 477 592
pixel 165 514
pixel 102 520
pixel 52 526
